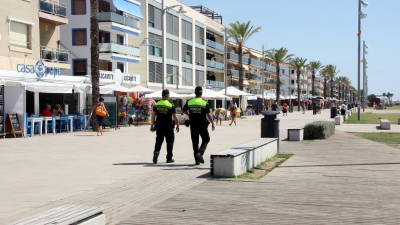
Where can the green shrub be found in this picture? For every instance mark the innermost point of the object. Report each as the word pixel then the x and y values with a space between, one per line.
pixel 319 130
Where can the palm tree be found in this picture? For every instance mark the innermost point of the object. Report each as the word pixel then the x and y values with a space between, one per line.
pixel 332 72
pixel 314 66
pixel 298 64
pixel 240 33
pixel 94 50
pixel 324 73
pixel 278 56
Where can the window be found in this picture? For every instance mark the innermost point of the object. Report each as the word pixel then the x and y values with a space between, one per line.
pixel 187 30
pixel 199 35
pixel 199 78
pixel 79 36
pixel 172 50
pixel 187 77
pixel 155 17
pixel 199 57
pixel 172 74
pixel 120 39
pixel 79 67
pixel 283 71
pixel 105 65
pixel 172 24
pixel 20 35
pixel 187 53
pixel 292 71
pixel 155 72
pixel 104 36
pixel 292 81
pixel 121 66
pixel 104 6
pixel 78 7
pixel 155 47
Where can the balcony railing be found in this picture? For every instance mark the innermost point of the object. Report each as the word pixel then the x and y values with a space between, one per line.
pixel 53 7
pixel 117 18
pixel 216 84
pixel 215 45
pixel 269 80
pixel 216 65
pixel 233 73
pixel 118 48
pixel 270 68
pixel 233 56
pixel 54 55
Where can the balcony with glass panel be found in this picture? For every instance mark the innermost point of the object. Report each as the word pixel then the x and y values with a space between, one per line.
pixel 215 45
pixel 119 49
pixel 234 73
pixel 118 18
pixel 215 65
pixel 53 12
pixel 54 55
pixel 233 56
pixel 270 68
pixel 215 84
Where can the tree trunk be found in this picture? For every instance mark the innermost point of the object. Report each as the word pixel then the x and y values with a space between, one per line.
pixel 312 84
pixel 240 54
pixel 325 83
pixel 278 83
pixel 332 88
pixel 298 89
pixel 94 50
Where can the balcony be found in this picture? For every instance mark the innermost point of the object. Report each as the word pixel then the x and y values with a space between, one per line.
pixel 118 18
pixel 119 49
pixel 233 56
pixel 216 65
pixel 215 84
pixel 234 73
pixel 269 80
pixel 215 45
pixel 270 68
pixel 53 12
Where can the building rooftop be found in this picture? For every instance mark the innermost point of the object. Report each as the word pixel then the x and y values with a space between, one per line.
pixel 208 12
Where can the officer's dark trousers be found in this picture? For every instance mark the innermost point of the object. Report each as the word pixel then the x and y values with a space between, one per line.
pixel 168 134
pixel 195 132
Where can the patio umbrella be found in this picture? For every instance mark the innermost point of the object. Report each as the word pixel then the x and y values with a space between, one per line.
pixel 158 95
pixel 140 89
pixel 232 91
pixel 210 94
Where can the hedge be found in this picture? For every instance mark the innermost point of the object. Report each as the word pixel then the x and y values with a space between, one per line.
pixel 319 130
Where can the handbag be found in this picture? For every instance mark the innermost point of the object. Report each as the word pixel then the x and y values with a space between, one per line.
pixel 100 111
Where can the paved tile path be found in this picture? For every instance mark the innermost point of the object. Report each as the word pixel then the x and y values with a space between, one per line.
pixel 343 180
pixel 112 172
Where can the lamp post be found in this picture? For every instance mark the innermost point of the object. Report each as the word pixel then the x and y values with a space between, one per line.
pixel 361 15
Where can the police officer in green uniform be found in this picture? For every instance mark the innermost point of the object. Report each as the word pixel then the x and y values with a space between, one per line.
pixel 161 122
pixel 199 117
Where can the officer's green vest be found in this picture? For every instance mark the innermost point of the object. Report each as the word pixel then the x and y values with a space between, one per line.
pixel 197 102
pixel 164 103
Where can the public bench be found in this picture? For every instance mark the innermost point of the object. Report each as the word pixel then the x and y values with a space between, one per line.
pixel 67 215
pixel 338 120
pixel 384 124
pixel 296 134
pixel 240 159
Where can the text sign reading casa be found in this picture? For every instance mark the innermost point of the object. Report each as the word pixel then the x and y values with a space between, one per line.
pixel 39 69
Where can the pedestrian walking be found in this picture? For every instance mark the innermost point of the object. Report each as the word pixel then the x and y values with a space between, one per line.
pixel 101 113
pixel 285 108
pixel 200 118
pixel 233 110
pixel 161 122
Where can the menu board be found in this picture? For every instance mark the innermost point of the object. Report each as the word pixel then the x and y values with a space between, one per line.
pixel 2 118
pixel 13 124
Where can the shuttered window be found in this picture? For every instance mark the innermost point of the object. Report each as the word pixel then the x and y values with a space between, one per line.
pixel 187 53
pixel 79 36
pixel 199 32
pixel 187 31
pixel 155 17
pixel 199 57
pixel 199 78
pixel 78 7
pixel 172 24
pixel 20 34
pixel 172 50
pixel 79 67
pixel 187 77
pixel 155 72
pixel 172 74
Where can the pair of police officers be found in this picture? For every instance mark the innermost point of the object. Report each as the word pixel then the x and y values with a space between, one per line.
pixel 164 116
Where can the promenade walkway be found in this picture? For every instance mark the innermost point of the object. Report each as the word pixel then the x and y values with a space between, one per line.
pixel 342 180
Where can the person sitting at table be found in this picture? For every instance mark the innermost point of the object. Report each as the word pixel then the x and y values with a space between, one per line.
pixel 58 111
pixel 47 111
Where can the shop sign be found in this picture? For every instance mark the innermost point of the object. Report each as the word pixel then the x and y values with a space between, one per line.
pixel 106 75
pixel 130 79
pixel 39 69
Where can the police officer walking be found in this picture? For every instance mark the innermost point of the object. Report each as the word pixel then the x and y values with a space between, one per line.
pixel 161 122
pixel 199 117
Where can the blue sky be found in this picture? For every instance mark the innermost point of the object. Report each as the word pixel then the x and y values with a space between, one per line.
pixel 325 30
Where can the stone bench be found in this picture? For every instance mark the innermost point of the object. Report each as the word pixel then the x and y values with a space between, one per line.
pixel 384 124
pixel 240 159
pixel 67 215
pixel 296 134
pixel 338 120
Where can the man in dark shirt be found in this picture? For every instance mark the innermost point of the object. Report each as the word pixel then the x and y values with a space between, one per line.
pixel 161 122
pixel 200 117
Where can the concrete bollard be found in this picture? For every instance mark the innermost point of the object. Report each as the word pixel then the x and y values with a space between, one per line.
pixel 338 120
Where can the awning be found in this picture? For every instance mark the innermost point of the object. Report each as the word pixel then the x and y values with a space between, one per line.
pixel 128 7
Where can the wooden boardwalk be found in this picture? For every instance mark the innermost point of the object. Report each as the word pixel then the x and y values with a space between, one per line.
pixel 343 180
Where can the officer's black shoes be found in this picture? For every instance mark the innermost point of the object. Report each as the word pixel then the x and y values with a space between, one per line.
pixel 199 158
pixel 197 163
pixel 155 158
pixel 170 161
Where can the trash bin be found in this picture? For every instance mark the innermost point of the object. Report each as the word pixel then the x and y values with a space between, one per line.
pixel 333 112
pixel 270 125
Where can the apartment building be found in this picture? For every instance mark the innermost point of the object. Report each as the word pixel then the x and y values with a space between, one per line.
pixel 120 27
pixel 258 76
pixel 193 53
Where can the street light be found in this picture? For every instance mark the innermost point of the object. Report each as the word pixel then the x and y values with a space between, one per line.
pixel 146 41
pixel 361 15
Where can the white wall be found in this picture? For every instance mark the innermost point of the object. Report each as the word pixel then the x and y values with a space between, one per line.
pixel 14 99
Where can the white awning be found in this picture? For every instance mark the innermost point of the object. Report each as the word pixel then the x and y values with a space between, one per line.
pixel 157 95
pixel 210 94
pixel 232 91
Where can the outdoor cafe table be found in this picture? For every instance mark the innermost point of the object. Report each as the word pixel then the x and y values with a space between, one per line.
pixel 46 121
pixel 35 120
